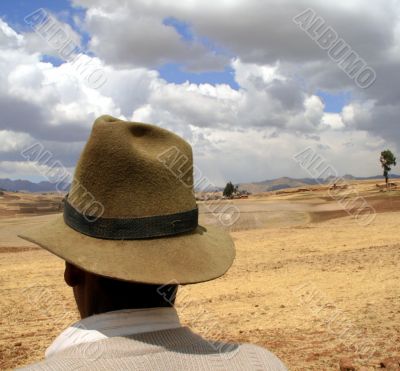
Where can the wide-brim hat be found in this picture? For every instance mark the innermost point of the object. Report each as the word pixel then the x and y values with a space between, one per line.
pixel 131 212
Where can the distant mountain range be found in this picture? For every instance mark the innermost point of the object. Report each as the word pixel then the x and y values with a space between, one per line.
pixel 254 187
pixel 28 186
pixel 286 182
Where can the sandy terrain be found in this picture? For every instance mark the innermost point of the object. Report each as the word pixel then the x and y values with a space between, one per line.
pixel 309 283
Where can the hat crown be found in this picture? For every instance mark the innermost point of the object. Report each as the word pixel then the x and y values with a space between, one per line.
pixel 132 170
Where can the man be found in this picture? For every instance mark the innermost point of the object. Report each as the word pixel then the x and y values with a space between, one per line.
pixel 129 235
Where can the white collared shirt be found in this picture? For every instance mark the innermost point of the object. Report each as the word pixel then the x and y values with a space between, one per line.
pixel 117 323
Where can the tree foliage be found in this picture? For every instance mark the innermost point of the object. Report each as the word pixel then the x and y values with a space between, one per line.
pixel 387 160
pixel 230 189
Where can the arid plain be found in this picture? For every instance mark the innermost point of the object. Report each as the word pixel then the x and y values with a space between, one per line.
pixel 310 282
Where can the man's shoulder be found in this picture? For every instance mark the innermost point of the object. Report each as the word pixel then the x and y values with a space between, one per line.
pixel 177 349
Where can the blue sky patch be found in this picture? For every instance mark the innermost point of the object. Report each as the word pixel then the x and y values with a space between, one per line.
pixel 185 31
pixel 174 72
pixel 55 61
pixel 14 12
pixel 334 103
pixel 177 73
pixel 182 28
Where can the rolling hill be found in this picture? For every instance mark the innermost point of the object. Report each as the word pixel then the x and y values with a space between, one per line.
pixel 21 185
pixel 287 182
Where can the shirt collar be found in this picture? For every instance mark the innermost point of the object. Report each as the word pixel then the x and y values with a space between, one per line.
pixel 117 323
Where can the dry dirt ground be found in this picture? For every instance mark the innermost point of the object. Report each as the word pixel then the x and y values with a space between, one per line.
pixel 309 282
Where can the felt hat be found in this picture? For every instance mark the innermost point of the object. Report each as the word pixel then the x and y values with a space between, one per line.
pixel 131 212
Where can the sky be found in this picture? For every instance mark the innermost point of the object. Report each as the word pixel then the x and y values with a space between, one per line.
pixel 249 83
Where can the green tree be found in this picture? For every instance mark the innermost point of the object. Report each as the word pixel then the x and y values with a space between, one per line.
pixel 387 161
pixel 229 189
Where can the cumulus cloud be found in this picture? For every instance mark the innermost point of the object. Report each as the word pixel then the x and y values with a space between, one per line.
pixel 125 46
pixel 244 134
pixel 8 37
pixel 50 28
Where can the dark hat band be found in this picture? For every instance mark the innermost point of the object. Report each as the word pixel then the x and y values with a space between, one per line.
pixel 130 229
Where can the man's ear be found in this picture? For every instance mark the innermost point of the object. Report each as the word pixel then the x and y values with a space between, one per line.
pixel 73 275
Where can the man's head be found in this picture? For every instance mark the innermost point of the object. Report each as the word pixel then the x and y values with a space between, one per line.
pixel 96 294
pixel 131 214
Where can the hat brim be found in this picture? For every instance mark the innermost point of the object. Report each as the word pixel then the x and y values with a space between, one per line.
pixel 198 256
